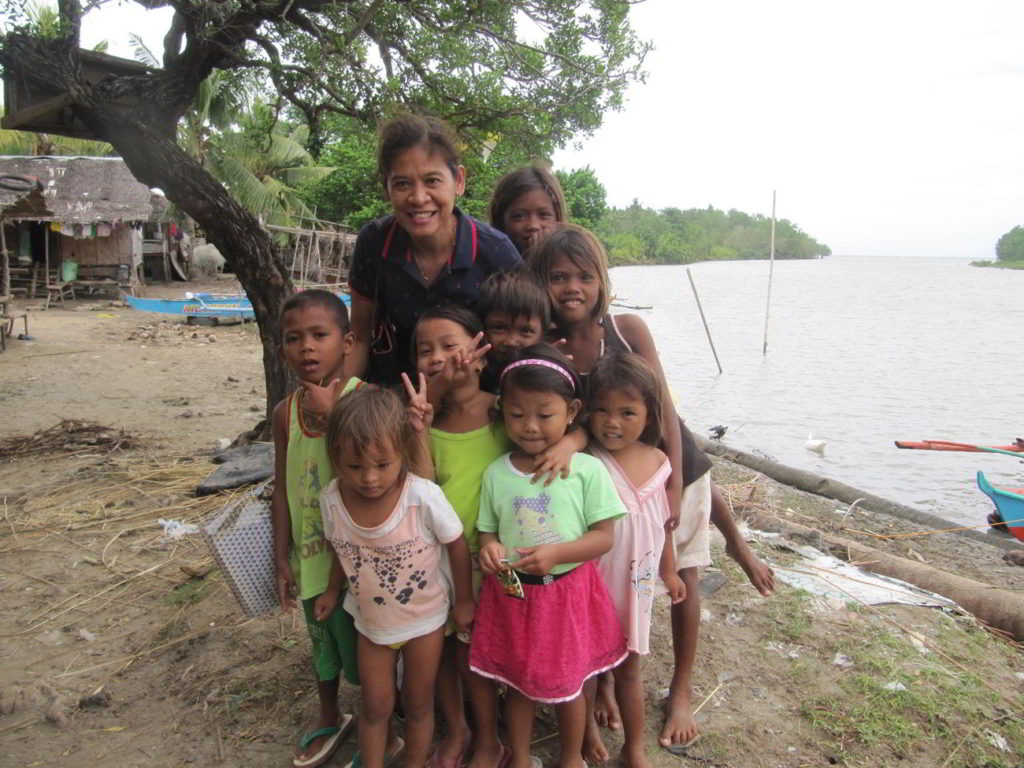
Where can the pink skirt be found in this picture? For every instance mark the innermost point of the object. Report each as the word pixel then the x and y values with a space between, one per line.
pixel 547 645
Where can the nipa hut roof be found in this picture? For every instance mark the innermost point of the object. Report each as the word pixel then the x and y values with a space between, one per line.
pixel 78 190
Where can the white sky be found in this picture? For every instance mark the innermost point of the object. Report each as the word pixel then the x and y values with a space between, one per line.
pixel 886 127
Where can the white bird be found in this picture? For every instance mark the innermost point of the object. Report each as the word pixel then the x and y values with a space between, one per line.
pixel 818 446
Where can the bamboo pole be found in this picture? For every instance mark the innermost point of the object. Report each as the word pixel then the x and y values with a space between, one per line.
pixel 5 265
pixel 771 269
pixel 703 319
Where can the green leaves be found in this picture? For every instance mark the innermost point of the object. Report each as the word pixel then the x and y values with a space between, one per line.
pixel 1010 246
pixel 638 235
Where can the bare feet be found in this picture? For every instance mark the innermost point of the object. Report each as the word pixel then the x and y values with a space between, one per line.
pixel 680 727
pixel 635 757
pixel 606 710
pixel 594 750
pixel 758 571
pixel 451 752
pixel 493 757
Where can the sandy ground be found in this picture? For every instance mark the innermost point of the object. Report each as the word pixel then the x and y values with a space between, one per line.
pixel 94 604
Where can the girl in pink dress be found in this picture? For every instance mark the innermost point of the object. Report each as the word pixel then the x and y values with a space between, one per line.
pixel 547 625
pixel 625 424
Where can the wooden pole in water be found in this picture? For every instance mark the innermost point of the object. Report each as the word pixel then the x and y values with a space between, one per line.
pixel 703 320
pixel 771 269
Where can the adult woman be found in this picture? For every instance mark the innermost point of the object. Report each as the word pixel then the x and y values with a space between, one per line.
pixel 427 253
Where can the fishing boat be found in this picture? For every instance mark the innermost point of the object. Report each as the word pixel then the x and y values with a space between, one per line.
pixel 1009 511
pixel 210 305
pixel 1009 504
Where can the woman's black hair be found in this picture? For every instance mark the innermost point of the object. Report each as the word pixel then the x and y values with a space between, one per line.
pixel 553 374
pixel 406 131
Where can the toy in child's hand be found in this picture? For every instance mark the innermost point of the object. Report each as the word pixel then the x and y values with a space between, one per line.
pixel 509 581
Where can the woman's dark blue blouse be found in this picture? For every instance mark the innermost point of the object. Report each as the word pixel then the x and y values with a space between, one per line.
pixel 385 272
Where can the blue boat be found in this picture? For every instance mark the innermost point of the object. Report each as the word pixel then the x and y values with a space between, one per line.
pixel 1009 502
pixel 213 305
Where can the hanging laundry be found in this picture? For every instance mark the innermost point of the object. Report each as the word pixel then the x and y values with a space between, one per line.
pixel 55 226
pixel 67 229
pixel 103 229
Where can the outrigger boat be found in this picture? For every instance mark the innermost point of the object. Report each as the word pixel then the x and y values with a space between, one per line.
pixel 214 305
pixel 1009 506
pixel 1009 512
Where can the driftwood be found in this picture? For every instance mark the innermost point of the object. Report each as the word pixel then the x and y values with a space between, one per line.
pixel 999 608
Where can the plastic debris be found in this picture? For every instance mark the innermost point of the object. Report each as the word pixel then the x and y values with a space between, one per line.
pixel 894 687
pixel 997 741
pixel 175 529
pixel 842 661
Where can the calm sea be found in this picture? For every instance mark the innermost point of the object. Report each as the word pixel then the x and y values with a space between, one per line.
pixel 862 351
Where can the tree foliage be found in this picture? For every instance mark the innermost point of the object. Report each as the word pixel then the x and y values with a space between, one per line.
pixel 639 235
pixel 584 195
pixel 527 73
pixel 1010 247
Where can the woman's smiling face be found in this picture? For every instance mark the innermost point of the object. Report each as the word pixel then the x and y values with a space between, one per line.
pixel 422 190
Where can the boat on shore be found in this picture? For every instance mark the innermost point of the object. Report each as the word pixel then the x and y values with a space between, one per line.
pixel 1009 506
pixel 207 305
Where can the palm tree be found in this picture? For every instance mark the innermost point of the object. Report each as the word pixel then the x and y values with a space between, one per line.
pixel 262 167
pixel 239 139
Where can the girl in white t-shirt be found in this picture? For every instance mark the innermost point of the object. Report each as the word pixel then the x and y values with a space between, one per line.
pixel 393 533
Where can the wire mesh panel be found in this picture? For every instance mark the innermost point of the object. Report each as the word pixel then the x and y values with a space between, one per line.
pixel 241 539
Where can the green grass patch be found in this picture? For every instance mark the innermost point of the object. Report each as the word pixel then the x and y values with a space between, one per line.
pixel 189 593
pixel 790 614
pixel 943 702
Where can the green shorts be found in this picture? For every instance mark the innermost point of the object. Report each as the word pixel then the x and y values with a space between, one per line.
pixel 334 642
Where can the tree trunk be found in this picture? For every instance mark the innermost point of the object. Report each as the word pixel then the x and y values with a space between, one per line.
pixel 158 162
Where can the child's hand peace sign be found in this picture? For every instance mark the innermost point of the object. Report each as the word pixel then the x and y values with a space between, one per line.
pixel 421 412
pixel 457 367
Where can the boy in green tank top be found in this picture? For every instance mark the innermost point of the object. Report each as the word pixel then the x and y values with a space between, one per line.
pixel 315 338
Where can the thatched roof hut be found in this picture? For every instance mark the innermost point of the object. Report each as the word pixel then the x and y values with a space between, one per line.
pixel 87 210
pixel 78 190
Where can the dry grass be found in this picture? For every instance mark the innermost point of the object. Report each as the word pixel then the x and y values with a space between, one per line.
pixel 68 436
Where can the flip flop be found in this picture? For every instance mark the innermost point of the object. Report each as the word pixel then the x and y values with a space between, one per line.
pixel 535 762
pixel 506 757
pixel 680 750
pixel 336 733
pixel 389 757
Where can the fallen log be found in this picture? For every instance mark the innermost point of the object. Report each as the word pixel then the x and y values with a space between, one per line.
pixel 833 489
pixel 999 608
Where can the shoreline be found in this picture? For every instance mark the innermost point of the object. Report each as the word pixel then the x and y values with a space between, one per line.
pixel 826 487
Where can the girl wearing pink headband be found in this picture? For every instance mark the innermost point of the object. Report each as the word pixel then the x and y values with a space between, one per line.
pixel 545 623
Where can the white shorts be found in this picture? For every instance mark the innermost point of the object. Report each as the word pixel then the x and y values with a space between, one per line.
pixel 692 536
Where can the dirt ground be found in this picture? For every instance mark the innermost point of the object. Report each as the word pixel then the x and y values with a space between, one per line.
pixel 115 652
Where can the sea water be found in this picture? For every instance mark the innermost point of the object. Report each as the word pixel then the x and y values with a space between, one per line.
pixel 862 351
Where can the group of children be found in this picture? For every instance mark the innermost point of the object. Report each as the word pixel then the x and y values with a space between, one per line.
pixel 505 523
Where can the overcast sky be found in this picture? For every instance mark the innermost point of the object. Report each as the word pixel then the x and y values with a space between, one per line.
pixel 886 127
